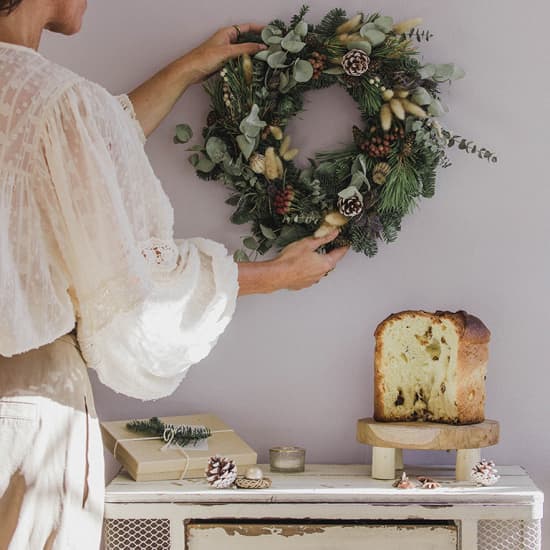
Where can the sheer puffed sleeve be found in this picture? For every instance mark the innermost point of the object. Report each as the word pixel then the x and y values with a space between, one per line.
pixel 147 307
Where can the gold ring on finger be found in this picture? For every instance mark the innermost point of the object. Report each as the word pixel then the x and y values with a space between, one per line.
pixel 236 27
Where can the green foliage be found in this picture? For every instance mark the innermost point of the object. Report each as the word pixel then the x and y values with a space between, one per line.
pixel 249 113
pixel 180 435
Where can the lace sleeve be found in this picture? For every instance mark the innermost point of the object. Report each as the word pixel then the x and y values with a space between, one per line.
pixel 148 307
pixel 128 107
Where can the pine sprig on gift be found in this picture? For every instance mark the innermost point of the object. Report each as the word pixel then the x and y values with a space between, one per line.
pixel 182 434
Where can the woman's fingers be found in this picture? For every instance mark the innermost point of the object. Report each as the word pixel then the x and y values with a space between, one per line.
pixel 337 254
pixel 250 48
pixel 315 242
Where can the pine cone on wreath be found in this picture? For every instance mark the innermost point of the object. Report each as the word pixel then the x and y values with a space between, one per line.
pixel 355 63
pixel 221 472
pixel 350 207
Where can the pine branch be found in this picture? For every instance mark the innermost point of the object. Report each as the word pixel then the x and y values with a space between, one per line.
pixel 183 434
pixel 297 18
pixel 332 20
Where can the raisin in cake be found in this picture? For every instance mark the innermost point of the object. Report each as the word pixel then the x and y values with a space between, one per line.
pixel 430 366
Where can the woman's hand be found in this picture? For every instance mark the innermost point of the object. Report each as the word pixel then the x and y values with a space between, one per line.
pixel 154 99
pixel 298 266
pixel 209 56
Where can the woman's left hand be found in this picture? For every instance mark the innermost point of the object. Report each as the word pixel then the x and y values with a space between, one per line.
pixel 209 56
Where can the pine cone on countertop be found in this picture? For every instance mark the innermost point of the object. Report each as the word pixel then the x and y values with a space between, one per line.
pixel 221 472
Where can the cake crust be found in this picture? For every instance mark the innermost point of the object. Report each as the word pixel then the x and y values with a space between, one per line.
pixel 472 357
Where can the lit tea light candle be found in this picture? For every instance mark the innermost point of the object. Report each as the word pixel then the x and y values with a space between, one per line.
pixel 287 459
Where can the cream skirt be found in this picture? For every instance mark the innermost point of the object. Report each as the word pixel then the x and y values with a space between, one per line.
pixel 51 455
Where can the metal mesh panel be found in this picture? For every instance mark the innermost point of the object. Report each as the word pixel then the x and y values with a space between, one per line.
pixel 508 535
pixel 136 534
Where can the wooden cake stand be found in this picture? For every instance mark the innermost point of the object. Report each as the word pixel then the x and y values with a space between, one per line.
pixel 388 439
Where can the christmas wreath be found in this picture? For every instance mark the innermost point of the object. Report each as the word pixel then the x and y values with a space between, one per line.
pixel 365 189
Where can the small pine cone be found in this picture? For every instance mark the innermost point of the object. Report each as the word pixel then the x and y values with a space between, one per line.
pixel 221 472
pixel 485 473
pixel 352 206
pixel 312 41
pixel 355 63
pixel 408 146
pixel 405 81
pixel 375 65
pixel 380 173
pixel 212 118
pixel 429 483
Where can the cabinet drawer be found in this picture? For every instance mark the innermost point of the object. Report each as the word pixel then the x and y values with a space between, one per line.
pixel 319 536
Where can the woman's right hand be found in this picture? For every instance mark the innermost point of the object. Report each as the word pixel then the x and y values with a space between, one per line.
pixel 300 265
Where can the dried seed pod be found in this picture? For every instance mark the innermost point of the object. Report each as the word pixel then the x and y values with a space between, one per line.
pixel 248 69
pixel 291 154
pixel 324 230
pixel 351 25
pixel 413 109
pixel 257 163
pixel 385 117
pixel 280 167
pixel 397 109
pixel 406 26
pixel 336 219
pixel 276 132
pixel 380 173
pixel 271 169
pixel 285 145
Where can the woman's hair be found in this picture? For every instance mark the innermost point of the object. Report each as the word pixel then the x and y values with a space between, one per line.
pixel 7 6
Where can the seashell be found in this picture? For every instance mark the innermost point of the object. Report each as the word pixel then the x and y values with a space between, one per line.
pixel 404 482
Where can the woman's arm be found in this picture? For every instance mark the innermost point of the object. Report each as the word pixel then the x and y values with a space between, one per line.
pixel 154 99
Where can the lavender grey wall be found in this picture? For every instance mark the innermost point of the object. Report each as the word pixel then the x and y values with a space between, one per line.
pixel 296 367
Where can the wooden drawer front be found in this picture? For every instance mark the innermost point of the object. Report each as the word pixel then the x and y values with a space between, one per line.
pixel 318 536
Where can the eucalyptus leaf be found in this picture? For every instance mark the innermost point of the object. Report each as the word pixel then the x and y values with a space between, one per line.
pixel 360 45
pixel 349 192
pixel 183 133
pixel 374 36
pixel 284 80
pixel 216 149
pixel 194 159
pixel 384 23
pixel 288 86
pixel 232 167
pixel 458 73
pixel 241 215
pixel 436 108
pixel 421 96
pixel 427 71
pixel 269 31
pixel 273 40
pixel 196 148
pixel 359 164
pixel 367 26
pixel 204 165
pixel 443 72
pixel 277 60
pixel 241 256
pixel 301 29
pixel 251 242
pixel 268 233
pixel 303 71
pixel 251 126
pixel 262 55
pixel 246 145
pixel 357 180
pixel 292 43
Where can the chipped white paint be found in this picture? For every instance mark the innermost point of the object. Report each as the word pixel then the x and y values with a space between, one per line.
pixel 316 536
pixel 325 492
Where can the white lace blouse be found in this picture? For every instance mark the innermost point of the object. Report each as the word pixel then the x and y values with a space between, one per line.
pixel 86 236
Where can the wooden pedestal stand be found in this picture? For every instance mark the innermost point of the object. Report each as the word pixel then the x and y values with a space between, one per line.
pixel 388 439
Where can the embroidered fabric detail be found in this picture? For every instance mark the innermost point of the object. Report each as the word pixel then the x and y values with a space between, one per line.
pixel 161 254
pixel 128 107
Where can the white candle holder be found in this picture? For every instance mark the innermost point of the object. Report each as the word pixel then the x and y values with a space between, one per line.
pixel 288 460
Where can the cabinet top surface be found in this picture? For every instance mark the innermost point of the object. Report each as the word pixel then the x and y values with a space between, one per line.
pixel 334 483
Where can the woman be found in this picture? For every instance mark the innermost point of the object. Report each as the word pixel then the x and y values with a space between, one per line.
pixel 86 240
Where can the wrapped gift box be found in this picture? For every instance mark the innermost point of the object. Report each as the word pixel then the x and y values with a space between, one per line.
pixel 145 460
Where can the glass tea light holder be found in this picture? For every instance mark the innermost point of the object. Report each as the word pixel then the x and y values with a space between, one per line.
pixel 287 460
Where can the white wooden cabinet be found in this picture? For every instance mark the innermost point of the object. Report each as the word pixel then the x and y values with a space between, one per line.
pixel 327 507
